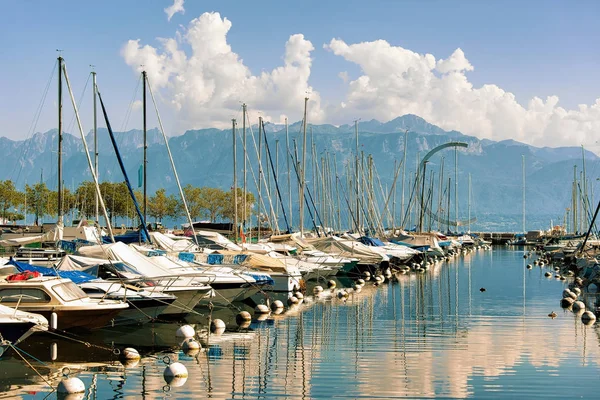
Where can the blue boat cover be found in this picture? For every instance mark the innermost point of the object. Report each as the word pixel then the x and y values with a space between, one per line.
pixel 75 276
pixel 215 259
pixel 188 257
pixel 240 258
pixel 371 241
pixel 128 237
pixel 262 279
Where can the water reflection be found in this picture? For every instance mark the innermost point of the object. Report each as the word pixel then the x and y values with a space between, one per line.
pixel 426 335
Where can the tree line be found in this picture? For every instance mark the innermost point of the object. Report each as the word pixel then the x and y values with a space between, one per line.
pixel 209 203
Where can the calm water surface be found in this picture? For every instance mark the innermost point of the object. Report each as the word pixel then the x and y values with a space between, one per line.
pixel 430 335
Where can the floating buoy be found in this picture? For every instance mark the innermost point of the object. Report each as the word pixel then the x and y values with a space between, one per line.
pixel 190 344
pixel 361 282
pixel 217 326
pixel 482 289
pixel 317 290
pixel 562 278
pixel 357 288
pixel 261 309
pixel 331 284
pixel 552 315
pixel 576 290
pixel 299 296
pixel 524 255
pixel 529 266
pixel 588 318
pixel 566 302
pixel 70 386
pixel 243 317
pixel 557 276
pixel 185 331
pixel 277 305
pixel 556 269
pixel 292 301
pixel 548 274
pixel 541 263
pixel 535 262
pixel 567 293
pixel 378 278
pixel 578 305
pixel 173 371
pixel 129 353
pixel 387 274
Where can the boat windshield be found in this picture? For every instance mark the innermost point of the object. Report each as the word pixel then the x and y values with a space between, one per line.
pixel 68 291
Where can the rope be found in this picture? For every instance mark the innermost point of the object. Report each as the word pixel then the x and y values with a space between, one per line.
pixel 31 366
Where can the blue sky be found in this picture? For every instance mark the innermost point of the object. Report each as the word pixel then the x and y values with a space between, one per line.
pixel 534 48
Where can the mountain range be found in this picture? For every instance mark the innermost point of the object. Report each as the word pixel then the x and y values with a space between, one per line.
pixel 204 158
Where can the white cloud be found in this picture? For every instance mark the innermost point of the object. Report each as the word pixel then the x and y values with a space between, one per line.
pixel 173 9
pixel 206 81
pixel 344 76
pixel 397 81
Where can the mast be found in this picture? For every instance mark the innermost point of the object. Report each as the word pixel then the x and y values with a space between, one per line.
pixel 574 199
pixel 276 175
pixel 422 211
pixel 145 162
pixel 303 172
pixel 95 144
pixel 469 214
pixel 60 139
pixel 403 176
pixel 456 188
pixel 260 172
pixel 235 203
pixel 356 173
pixel 244 144
pixel 523 193
pixel 289 176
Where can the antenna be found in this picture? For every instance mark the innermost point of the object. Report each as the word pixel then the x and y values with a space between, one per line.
pixel 92 66
pixel 59 52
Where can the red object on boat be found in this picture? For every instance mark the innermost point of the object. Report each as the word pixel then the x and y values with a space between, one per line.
pixel 23 276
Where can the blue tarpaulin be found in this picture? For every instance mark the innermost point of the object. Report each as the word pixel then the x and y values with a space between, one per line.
pixel 75 276
pixel 215 259
pixel 371 241
pixel 262 279
pixel 127 238
pixel 188 257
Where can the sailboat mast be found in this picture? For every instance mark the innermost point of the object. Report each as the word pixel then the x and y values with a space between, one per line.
pixel 95 144
pixel 456 188
pixel 357 179
pixel 303 172
pixel 235 202
pixel 145 162
pixel 469 213
pixel 289 176
pixel 245 163
pixel 260 172
pixel 523 193
pixel 60 139
pixel 403 177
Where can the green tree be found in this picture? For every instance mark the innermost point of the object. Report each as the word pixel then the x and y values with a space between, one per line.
pixel 9 196
pixel 229 211
pixel 86 198
pixel 160 205
pixel 214 201
pixel 193 198
pixel 38 200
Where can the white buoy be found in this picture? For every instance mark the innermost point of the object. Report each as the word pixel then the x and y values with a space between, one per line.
pixel 53 351
pixel 378 278
pixel 592 288
pixel 299 296
pixel 588 318
pixel 185 331
pixel 548 274
pixel 292 301
pixel 331 284
pixel 567 293
pixel 129 353
pixel 217 326
pixel 190 344
pixel 361 282
pixel 578 305
pixel 70 386
pixel 529 266
pixel 277 305
pixel 243 317
pixel 54 320
pixel 566 302
pixel 317 290
pixel 387 274
pixel 342 294
pixel 261 309
pixel 173 371
pixel 577 291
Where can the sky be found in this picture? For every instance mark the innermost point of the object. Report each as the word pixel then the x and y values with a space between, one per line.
pixel 499 70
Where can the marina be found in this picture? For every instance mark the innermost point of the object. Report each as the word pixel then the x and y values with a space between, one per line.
pixel 434 334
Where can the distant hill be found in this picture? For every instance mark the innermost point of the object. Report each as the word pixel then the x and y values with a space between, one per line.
pixel 204 158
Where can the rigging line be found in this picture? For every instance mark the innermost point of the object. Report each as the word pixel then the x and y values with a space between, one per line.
pixel 34 122
pixel 32 367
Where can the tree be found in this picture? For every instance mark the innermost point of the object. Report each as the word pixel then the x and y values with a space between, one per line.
pixel 86 198
pixel 213 202
pixel 38 200
pixel 193 198
pixel 9 196
pixel 160 205
pixel 229 211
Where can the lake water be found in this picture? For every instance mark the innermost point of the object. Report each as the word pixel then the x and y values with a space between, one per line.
pixel 428 335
